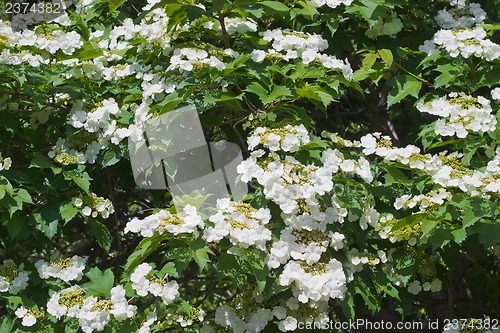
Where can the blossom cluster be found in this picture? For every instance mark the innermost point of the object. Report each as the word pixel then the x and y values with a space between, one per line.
pixel 288 138
pixel 13 278
pixel 290 45
pixel 461 35
pixel 462 113
pixel 423 201
pixel 186 222
pixel 462 15
pixel 66 269
pixel 94 205
pixel 93 314
pixel 241 223
pixel 446 170
pixel 144 282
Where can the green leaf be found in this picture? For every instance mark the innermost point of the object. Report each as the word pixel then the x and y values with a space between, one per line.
pixel 41 161
pixel 100 283
pixel 101 233
pixel 114 4
pixel 488 233
pixel 460 235
pixel 404 85
pixel 7 325
pixel 199 252
pixel 141 252
pixel 23 195
pixel 275 5
pixel 278 93
pixel 404 262
pixel 449 72
pixel 68 211
pixel 235 268
pixel 428 225
pixel 47 218
pixel 111 157
pixel 386 56
pixel 169 269
pixel 82 179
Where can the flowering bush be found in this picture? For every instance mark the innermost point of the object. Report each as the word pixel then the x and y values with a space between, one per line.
pixel 372 153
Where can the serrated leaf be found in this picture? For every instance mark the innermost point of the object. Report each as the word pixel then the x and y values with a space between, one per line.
pixel 100 283
pixel 403 86
pixel 101 233
pixel 233 267
pixel 199 252
pixel 82 179
pixel 68 211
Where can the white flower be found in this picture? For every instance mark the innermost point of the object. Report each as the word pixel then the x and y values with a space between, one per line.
pixel 143 283
pixel 186 222
pixel 13 278
pixel 495 94
pixel 414 287
pixel 66 302
pixel 66 269
pixel 241 223
pixel 27 316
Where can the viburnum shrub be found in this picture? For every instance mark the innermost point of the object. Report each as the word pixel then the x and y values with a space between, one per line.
pixel 371 136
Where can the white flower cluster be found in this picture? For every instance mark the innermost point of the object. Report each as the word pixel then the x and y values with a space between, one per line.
pixel 28 316
pixel 423 201
pixel 5 163
pixel 388 26
pixel 415 287
pixel 144 282
pixel 332 3
pixel 66 302
pixel 293 312
pixel 187 59
pixel 52 42
pixel 464 42
pixel 98 119
pixel 226 316
pixel 64 155
pixel 66 269
pixel 195 315
pixel 302 245
pixel 94 205
pixel 95 313
pixel 358 259
pixel 186 222
pixel 461 35
pixel 445 170
pixel 288 138
pixel 241 223
pixel 238 25
pixel 13 278
pixel 290 45
pixel 24 56
pixel 312 215
pixel 462 113
pixel 317 282
pixel 461 16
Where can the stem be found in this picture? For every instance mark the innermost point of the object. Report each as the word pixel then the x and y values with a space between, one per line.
pixel 412 75
pixel 221 17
